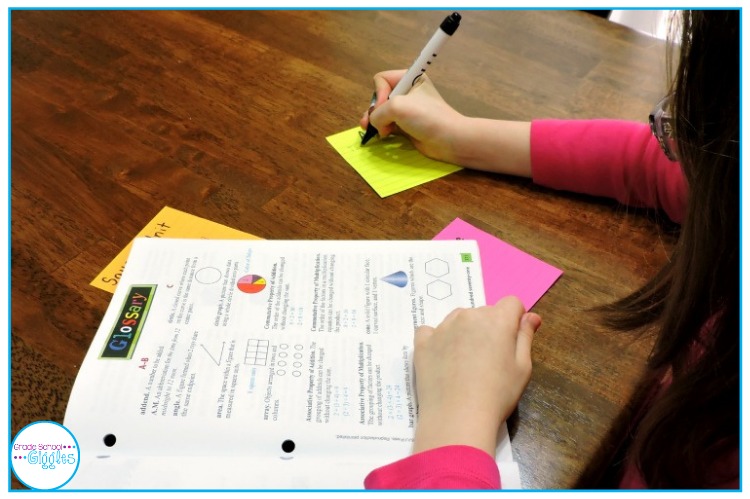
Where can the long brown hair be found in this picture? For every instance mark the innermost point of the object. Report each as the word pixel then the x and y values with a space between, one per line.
pixel 684 438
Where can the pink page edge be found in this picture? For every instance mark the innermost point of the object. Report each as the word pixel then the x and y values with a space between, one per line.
pixel 506 269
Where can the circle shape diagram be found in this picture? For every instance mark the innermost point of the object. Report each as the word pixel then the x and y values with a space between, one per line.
pixel 251 284
pixel 208 275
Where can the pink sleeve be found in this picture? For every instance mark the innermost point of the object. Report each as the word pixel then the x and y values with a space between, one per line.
pixel 612 158
pixel 450 467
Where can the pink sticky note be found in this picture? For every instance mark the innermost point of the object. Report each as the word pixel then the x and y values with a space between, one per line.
pixel 506 269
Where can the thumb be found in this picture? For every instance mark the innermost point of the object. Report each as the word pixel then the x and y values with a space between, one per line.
pixel 424 84
pixel 530 322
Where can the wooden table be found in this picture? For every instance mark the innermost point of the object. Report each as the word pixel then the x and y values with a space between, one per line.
pixel 224 115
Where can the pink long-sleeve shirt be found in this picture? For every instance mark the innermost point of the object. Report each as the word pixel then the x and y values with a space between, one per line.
pixel 612 158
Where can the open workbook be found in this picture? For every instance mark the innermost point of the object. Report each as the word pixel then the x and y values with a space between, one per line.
pixel 252 364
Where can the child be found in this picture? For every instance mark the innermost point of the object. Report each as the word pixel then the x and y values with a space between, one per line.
pixel 681 429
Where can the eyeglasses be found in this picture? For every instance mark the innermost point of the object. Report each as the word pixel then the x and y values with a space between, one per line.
pixel 662 126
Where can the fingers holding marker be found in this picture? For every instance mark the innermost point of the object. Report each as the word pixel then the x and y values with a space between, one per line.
pixel 384 82
pixel 396 83
pixel 383 120
pixel 365 119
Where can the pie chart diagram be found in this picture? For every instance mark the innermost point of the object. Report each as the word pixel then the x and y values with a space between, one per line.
pixel 251 284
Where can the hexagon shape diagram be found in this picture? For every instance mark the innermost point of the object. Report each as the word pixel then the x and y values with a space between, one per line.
pixel 436 267
pixel 439 289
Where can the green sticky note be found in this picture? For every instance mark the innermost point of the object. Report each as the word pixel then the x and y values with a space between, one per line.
pixel 466 258
pixel 389 165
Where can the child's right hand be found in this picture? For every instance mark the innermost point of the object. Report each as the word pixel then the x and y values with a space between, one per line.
pixel 440 132
pixel 422 115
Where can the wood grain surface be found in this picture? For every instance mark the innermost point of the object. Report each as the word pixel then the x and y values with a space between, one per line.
pixel 223 114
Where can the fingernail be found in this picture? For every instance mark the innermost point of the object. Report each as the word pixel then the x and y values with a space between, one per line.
pixel 532 320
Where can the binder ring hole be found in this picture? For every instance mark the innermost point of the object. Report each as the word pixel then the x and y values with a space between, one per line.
pixel 109 440
pixel 288 446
